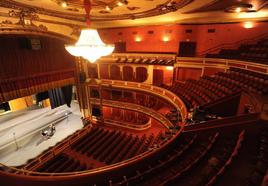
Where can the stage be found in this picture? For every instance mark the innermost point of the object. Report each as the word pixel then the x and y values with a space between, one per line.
pixel 20 131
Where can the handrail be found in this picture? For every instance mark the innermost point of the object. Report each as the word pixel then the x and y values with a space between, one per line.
pixel 199 62
pixel 131 106
pixel 232 45
pixel 225 122
pixel 158 91
pixel 128 125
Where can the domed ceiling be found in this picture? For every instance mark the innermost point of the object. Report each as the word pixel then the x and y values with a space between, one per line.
pixel 123 13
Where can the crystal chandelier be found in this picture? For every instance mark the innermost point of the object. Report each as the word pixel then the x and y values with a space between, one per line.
pixel 89 45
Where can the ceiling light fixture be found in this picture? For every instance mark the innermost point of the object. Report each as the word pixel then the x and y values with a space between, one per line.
pixel 89 45
pixel 64 4
pixel 238 9
pixel 119 3
pixel 107 8
pixel 241 7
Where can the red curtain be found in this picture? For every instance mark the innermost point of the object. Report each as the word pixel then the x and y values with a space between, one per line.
pixel 141 74
pixel 127 73
pixel 24 71
pixel 115 72
pixel 158 77
pixel 104 72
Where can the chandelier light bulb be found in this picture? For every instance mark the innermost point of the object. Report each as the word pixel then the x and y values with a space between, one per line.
pixel 90 46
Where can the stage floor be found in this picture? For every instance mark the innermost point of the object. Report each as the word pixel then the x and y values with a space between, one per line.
pixel 17 124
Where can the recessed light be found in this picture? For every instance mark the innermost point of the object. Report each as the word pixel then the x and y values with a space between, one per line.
pixel 238 9
pixel 119 3
pixel 64 4
pixel 107 8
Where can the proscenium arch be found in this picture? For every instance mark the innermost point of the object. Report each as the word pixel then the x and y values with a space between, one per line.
pixel 25 31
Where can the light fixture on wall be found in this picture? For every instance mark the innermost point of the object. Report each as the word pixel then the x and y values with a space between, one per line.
pixel 248 24
pixel 138 39
pixel 169 68
pixel 165 39
pixel 89 45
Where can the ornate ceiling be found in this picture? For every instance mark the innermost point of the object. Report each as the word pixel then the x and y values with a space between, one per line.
pixel 123 13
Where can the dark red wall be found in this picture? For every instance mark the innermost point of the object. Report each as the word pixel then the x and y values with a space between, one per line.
pixel 224 33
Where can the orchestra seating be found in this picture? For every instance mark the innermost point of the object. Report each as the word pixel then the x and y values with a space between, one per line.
pixel 260 167
pixel 202 157
pixel 103 145
pixel 251 52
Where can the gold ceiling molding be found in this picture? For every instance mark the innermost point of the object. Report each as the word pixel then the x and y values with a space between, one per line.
pixel 160 9
pixel 7 28
pixel 16 5
pixel 27 19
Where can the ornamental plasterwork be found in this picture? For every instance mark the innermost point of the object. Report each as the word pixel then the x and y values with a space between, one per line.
pixel 131 9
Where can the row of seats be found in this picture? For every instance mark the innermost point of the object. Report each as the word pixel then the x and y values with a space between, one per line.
pixel 113 146
pixel 177 160
pixel 103 145
pixel 254 52
pixel 193 160
pixel 62 163
pixel 212 88
pixel 261 163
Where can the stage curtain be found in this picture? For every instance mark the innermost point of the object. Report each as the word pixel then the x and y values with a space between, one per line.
pixel 24 71
pixel 67 92
pixel 56 97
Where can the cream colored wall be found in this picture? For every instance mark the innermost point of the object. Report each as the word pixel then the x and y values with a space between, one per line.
pixel 23 103
pixel 17 104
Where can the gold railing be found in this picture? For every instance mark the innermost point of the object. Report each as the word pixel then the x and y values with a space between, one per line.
pixel 158 91
pixel 131 106
pixel 220 63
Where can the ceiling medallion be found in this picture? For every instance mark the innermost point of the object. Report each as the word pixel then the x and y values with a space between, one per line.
pixel 71 6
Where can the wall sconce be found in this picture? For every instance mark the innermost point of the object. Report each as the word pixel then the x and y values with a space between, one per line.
pixel 248 24
pixel 138 39
pixel 165 39
pixel 169 68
